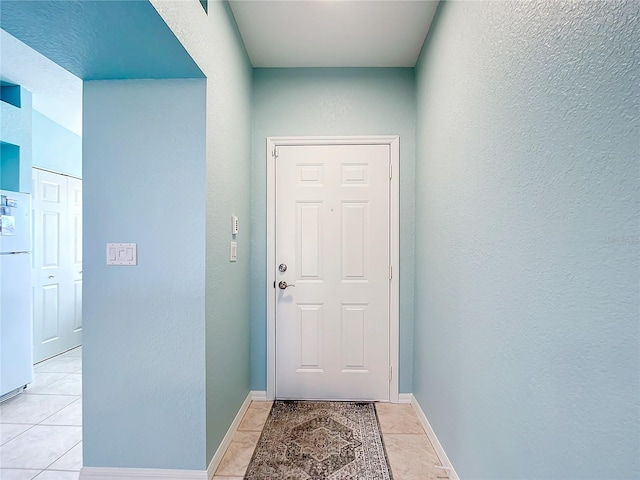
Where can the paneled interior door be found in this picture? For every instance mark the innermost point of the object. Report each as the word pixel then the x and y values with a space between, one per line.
pixel 57 258
pixel 332 272
pixel 74 229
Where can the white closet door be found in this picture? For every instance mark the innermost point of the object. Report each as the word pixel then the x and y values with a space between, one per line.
pixel 74 189
pixel 57 220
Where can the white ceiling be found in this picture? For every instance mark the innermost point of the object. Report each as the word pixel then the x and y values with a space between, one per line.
pixel 333 33
pixel 57 93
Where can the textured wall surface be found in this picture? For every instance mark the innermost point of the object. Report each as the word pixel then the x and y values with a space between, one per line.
pixel 527 238
pixel 55 148
pixel 99 40
pixel 367 101
pixel 144 347
pixel 215 44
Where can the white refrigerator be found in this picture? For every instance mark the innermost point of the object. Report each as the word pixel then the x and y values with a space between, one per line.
pixel 16 344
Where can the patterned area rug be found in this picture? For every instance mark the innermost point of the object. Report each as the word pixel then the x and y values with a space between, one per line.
pixel 304 440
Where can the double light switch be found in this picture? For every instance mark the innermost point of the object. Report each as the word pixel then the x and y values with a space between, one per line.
pixel 122 254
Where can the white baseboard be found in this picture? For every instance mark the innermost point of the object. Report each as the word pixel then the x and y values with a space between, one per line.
pixel 103 473
pixel 259 395
pixel 446 463
pixel 226 441
pixel 405 397
pixel 100 473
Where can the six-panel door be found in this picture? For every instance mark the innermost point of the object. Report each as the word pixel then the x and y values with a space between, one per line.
pixel 57 258
pixel 332 233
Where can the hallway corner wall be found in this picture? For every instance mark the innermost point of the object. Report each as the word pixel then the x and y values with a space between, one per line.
pixel 213 41
pixel 143 335
pixel 526 334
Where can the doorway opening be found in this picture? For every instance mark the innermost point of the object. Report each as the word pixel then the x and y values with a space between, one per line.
pixel 332 248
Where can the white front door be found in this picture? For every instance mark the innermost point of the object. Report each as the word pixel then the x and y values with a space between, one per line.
pixel 57 259
pixel 333 250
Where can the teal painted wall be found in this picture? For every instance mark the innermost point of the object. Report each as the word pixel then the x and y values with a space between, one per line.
pixel 9 167
pixel 15 129
pixel 120 39
pixel 527 238
pixel 55 148
pixel 338 101
pixel 166 350
pixel 43 143
pixel 215 45
pixel 144 346
pixel 228 193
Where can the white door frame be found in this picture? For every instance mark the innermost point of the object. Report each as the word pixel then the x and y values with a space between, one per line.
pixel 394 301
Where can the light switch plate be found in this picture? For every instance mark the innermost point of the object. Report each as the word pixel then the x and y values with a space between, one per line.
pixel 122 254
pixel 233 252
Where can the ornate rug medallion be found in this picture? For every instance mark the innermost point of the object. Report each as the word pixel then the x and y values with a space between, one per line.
pixel 320 441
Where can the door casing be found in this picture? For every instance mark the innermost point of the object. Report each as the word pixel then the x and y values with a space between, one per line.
pixel 394 301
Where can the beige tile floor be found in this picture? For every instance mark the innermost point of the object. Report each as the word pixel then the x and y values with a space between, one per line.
pixel 41 429
pixel 410 453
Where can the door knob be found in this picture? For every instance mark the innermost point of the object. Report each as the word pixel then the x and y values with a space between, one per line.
pixel 283 285
pixel 282 267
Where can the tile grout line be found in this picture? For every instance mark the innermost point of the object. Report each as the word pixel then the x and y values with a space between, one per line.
pixel 65 355
pixel 56 470
pixel 44 420
pixel 13 438
pixel 55 413
pixel 55 394
pixel 47 384
pixel 65 375
pixel 402 433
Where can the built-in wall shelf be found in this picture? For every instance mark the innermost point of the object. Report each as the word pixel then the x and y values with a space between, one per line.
pixel 9 167
pixel 10 94
pixel 10 153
